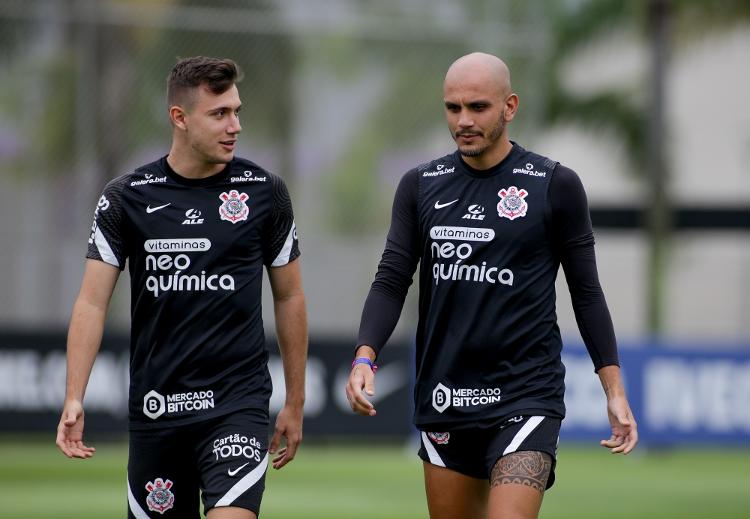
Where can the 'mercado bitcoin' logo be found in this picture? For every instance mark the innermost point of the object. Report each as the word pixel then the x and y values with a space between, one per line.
pixel 444 397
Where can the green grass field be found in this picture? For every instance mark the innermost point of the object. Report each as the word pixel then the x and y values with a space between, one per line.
pixel 386 483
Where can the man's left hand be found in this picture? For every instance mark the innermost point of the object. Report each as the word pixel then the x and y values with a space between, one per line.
pixel 289 426
pixel 624 429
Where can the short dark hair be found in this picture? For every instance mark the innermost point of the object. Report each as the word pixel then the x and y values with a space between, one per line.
pixel 190 73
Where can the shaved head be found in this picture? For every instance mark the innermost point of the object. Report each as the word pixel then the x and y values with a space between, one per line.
pixel 479 104
pixel 481 69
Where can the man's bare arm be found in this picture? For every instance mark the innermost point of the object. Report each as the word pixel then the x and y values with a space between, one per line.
pixel 84 338
pixel 291 329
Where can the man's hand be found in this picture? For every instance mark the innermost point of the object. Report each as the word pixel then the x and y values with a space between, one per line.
pixel 362 382
pixel 289 426
pixel 70 432
pixel 624 429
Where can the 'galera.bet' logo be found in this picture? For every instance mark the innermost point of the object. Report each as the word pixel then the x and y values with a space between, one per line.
pixel 234 209
pixel 512 204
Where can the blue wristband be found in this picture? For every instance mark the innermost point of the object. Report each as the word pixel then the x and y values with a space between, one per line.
pixel 365 360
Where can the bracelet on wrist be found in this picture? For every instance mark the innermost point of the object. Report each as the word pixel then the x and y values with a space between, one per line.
pixel 365 360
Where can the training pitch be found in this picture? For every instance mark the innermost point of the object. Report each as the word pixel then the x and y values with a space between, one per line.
pixel 385 482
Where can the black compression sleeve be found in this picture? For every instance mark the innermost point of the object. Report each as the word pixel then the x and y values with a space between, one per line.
pixel 396 269
pixel 573 237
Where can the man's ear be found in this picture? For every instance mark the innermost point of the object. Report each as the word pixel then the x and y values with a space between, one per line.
pixel 177 116
pixel 511 107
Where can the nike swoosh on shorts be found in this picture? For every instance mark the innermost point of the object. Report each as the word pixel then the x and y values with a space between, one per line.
pixel 235 471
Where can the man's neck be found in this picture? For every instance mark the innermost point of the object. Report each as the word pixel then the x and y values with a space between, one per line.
pixel 491 157
pixel 185 165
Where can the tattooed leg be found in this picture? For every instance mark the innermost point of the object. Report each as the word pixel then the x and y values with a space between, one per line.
pixel 529 468
pixel 517 484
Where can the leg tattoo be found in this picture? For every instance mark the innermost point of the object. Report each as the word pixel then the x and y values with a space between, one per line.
pixel 530 468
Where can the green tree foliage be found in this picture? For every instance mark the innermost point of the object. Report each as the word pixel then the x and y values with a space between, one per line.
pixel 662 24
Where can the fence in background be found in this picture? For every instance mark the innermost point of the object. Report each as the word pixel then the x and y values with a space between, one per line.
pixel 677 396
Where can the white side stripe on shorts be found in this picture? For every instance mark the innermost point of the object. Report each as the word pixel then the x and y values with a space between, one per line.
pixel 135 508
pixel 431 452
pixel 521 435
pixel 242 485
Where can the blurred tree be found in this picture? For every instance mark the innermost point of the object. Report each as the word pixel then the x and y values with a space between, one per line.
pixel 640 125
pixel 407 108
pixel 267 59
pixel 103 67
pixel 356 195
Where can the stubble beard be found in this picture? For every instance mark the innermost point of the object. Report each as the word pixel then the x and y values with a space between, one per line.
pixel 477 150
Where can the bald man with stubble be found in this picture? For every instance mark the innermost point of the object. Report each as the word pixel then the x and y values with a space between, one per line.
pixel 491 223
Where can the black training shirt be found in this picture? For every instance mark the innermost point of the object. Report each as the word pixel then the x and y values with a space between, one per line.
pixel 195 251
pixel 490 244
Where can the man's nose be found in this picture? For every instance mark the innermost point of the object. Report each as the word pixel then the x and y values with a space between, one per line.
pixel 234 124
pixel 465 119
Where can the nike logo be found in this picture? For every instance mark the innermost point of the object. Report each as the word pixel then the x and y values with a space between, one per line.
pixel 438 205
pixel 150 209
pixel 235 471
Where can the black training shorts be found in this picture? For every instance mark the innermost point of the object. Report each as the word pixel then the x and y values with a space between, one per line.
pixel 223 460
pixel 474 452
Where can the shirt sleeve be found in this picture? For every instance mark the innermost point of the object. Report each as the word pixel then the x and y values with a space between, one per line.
pixel 573 238
pixel 106 238
pixel 395 273
pixel 281 244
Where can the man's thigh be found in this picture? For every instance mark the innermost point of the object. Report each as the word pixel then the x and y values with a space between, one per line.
pixel 474 457
pixel 456 481
pixel 533 436
pixel 451 494
pixel 162 477
pixel 232 455
pixel 522 458
pixel 230 512
pixel 517 485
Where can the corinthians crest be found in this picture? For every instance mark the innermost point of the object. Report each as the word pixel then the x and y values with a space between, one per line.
pixel 441 438
pixel 234 209
pixel 512 204
pixel 160 498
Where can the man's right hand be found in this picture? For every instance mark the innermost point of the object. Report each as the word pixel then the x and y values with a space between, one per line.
pixel 70 432
pixel 361 384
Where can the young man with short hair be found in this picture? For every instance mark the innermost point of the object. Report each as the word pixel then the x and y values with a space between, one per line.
pixel 196 227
